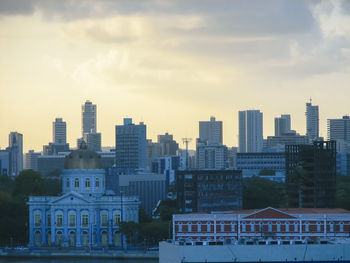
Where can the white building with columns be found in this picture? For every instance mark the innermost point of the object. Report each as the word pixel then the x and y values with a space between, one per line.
pixel 85 215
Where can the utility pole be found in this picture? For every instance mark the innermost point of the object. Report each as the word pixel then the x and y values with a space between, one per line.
pixel 186 141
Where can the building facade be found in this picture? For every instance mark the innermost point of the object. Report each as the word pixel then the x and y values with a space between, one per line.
pixel 250 124
pixel 4 162
pixel 339 130
pixel 209 190
pixel 211 131
pixel 272 165
pixel 31 160
pixel 85 215
pixel 168 145
pixel 312 121
pixel 59 131
pixel 311 175
pixel 131 145
pixel 168 165
pixel 88 118
pixel 265 224
pixel 16 153
pixel 212 156
pixel 282 124
pixel 93 141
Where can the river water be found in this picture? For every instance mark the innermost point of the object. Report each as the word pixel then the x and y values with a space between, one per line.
pixel 23 260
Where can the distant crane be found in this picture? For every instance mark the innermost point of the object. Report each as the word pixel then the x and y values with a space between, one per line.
pixel 186 141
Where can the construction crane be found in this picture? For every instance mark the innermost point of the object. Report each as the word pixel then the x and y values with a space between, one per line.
pixel 186 141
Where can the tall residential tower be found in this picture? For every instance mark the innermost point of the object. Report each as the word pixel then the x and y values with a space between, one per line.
pixel 88 118
pixel 59 131
pixel 211 131
pixel 250 131
pixel 312 121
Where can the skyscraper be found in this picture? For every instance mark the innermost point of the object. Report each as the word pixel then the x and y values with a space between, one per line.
pixel 131 145
pixel 339 129
pixel 210 131
pixel 59 131
pixel 312 121
pixel 250 131
pixel 282 125
pixel 168 145
pixel 16 153
pixel 93 141
pixel 88 118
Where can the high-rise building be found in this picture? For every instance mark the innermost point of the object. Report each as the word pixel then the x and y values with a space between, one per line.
pixel 16 153
pixel 211 156
pixel 250 131
pixel 168 145
pixel 93 141
pixel 210 131
pixel 59 131
pixel 4 162
pixel 312 121
pixel 131 145
pixel 31 160
pixel 311 175
pixel 88 118
pixel 339 129
pixel 282 125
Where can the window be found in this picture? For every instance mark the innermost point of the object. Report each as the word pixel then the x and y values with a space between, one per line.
pixel 85 220
pixel 306 227
pixel 71 220
pixel 67 183
pixel 341 227
pixel 232 227
pixel 295 227
pixel 104 220
pixel 331 227
pixel 243 227
pixel 278 227
pixel 48 219
pixel 87 184
pixel 116 220
pixel 59 220
pixel 76 183
pixel 222 227
pixel 97 183
pixel 269 227
pixel 180 227
pixel 208 227
pixel 37 220
pixel 318 226
pixel 287 227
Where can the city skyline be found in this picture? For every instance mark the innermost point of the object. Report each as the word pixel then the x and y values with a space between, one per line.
pixel 170 65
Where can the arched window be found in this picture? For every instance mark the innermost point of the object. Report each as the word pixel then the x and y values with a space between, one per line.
pixel 116 220
pixel 117 239
pixel 37 219
pixel 87 184
pixel 72 238
pixel 49 238
pixel 104 220
pixel 76 183
pixel 85 220
pixel 104 238
pixel 85 238
pixel 59 220
pixel 97 183
pixel 37 238
pixel 59 238
pixel 67 183
pixel 72 220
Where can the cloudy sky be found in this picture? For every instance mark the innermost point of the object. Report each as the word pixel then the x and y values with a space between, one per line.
pixel 169 64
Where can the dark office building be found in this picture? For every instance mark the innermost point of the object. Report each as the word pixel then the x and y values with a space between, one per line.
pixel 209 190
pixel 311 175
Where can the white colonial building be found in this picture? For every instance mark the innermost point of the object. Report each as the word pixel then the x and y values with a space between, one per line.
pixel 85 214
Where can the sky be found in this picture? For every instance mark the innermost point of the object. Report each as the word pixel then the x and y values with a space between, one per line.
pixel 169 64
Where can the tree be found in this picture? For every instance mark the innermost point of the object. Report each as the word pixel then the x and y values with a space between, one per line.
pixel 260 193
pixel 343 191
pixel 130 230
pixel 27 183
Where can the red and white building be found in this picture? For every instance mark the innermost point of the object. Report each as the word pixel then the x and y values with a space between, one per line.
pixel 292 224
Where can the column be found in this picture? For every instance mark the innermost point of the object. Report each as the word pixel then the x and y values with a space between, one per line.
pixel 78 228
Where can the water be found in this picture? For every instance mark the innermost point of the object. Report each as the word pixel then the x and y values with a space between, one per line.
pixel 23 260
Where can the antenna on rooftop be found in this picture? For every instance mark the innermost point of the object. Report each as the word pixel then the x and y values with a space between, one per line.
pixel 186 141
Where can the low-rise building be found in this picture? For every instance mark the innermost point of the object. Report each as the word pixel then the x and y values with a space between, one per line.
pixel 268 223
pixel 86 214
pixel 209 190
